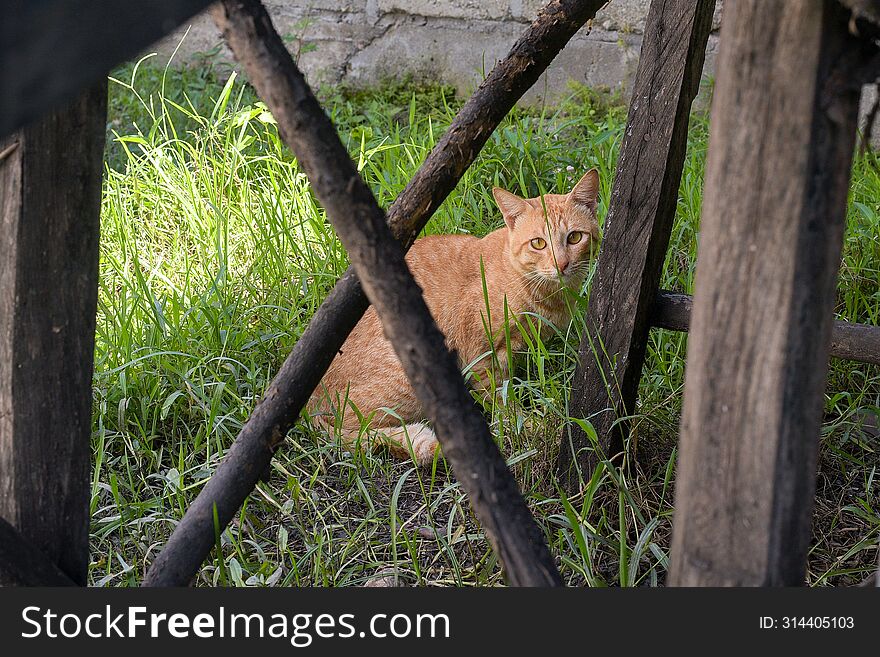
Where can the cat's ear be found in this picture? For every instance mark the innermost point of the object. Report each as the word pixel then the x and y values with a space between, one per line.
pixel 511 205
pixel 586 193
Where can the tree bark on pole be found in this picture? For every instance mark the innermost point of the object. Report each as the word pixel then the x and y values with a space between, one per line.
pixel 50 200
pixel 780 150
pixel 287 394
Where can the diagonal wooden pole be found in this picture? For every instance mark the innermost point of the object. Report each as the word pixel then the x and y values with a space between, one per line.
pixel 301 372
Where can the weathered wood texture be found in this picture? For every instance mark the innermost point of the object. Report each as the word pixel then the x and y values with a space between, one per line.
pixel 21 564
pixel 849 340
pixel 671 310
pixel 50 196
pixel 636 229
pixel 778 169
pixel 362 227
pixel 337 316
pixel 52 49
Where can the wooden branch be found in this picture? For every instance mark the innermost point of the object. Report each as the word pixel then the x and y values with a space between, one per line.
pixel 50 199
pixel 849 341
pixel 50 51
pixel 302 371
pixel 637 231
pixel 671 310
pixel 22 564
pixel 774 208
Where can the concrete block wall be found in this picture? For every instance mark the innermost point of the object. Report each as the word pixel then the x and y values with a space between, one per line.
pixel 364 42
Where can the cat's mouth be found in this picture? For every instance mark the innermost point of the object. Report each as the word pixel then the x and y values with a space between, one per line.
pixel 571 277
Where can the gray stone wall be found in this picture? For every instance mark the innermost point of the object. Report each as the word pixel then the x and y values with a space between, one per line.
pixel 362 42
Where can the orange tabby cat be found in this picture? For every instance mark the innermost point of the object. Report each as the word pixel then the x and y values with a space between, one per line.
pixel 526 263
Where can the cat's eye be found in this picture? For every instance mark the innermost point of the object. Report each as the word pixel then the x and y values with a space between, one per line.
pixel 574 237
pixel 539 243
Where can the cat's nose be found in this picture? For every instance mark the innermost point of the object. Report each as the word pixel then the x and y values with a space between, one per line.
pixel 562 265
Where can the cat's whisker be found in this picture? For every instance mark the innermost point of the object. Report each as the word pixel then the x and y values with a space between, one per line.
pixel 530 287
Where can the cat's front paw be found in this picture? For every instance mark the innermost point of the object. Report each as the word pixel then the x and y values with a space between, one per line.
pixel 425 448
pixel 416 440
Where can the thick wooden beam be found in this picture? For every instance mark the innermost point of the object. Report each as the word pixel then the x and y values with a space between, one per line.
pixel 849 340
pixel 50 198
pixel 436 177
pixel 774 205
pixel 52 49
pixel 637 230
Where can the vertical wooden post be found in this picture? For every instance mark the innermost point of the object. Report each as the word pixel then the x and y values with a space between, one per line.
pixel 50 195
pixel 637 228
pixel 780 150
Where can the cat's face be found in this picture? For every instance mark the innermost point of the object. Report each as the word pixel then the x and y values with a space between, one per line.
pixel 553 242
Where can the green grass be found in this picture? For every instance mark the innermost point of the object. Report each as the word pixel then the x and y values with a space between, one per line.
pixel 214 256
